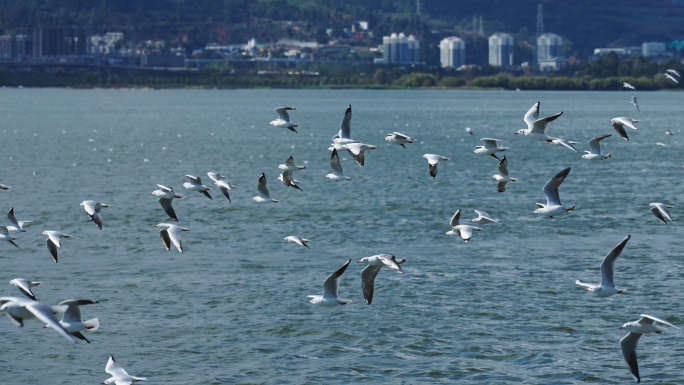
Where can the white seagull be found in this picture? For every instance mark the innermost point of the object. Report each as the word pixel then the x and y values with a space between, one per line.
pixel 287 177
pixel 536 128
pixel 671 78
pixel 264 195
pixel 620 123
pixel 433 163
pixel 19 309
pixel 336 174
pixel 298 240
pixel 170 233
pixel 491 147
pixel 15 225
pixel 344 135
pixel 627 85
pixel 358 151
pixel 195 184
pixel 399 138
pixel 674 72
pixel 594 152
pixel 469 131
pixel 53 241
pixel 502 177
pixel 221 183
pixel 564 142
pixel 166 195
pixel 661 211
pixel 330 289
pixel 371 271
pixel 5 236
pixel 4 187
pixel 93 209
pixel 606 287
pixel 25 286
pixel 119 375
pixel 634 103
pixel 289 165
pixel 484 218
pixel 284 119
pixel 553 204
pixel 465 231
pixel 72 321
pixel 628 343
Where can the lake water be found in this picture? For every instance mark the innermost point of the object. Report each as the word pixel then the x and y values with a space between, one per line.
pixel 232 308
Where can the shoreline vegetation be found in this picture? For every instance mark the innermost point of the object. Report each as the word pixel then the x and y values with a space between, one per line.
pixel 605 74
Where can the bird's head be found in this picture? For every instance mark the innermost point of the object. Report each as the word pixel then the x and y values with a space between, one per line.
pixel 520 132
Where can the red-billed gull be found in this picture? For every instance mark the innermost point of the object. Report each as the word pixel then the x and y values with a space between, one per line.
pixel 25 286
pixel 330 289
pixel 594 152
pixel 502 177
pixel 119 375
pixel 284 119
pixel 628 343
pixel 433 163
pixel 170 233
pixel 53 242
pixel 371 271
pixel 553 204
pixel 606 287
pixel 399 138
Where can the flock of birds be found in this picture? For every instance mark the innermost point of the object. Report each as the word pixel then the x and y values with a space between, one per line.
pixel 71 325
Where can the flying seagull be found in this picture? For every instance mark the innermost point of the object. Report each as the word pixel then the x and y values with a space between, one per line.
pixel 628 343
pixel 5 235
pixel 264 194
pixel 53 241
pixel 502 177
pixel 553 204
pixel 298 240
pixel 465 231
pixel 399 138
pixel 72 321
pixel 195 184
pixel 433 163
pixel 484 218
pixel 491 147
pixel 627 85
pixel 284 119
pixel 371 271
pixel 358 151
pixel 606 287
pixel 667 75
pixel 166 195
pixel 661 211
pixel 330 289
pixel 594 152
pixel 536 127
pixel 634 103
pixel 221 183
pixel 25 286
pixel 336 174
pixel 170 233
pixel 620 123
pixel 93 209
pixel 19 309
pixel 119 375
pixel 15 225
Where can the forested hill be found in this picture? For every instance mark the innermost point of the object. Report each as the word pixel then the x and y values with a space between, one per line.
pixel 585 24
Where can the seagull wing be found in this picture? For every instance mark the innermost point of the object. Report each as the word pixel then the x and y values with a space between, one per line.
pixel 345 126
pixel 551 188
pixel 628 344
pixel 24 287
pixel 173 233
pixel 539 126
pixel 595 146
pixel 455 218
pixel 168 209
pixel 331 284
pixel 608 264
pixel 335 162
pixel 89 207
pixel 503 166
pixel 649 319
pixel 532 115
pixel 52 247
pixel 262 186
pixel 44 313
pixel 115 370
pixel 391 262
pixel 166 240
pixel 664 211
pixel 368 275
pixel 501 186
pixel 282 112
pixel 658 214
pixel 12 219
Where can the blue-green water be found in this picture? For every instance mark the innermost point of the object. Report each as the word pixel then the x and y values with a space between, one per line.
pixel 232 308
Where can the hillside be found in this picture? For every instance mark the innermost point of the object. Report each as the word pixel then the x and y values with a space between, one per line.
pixel 585 24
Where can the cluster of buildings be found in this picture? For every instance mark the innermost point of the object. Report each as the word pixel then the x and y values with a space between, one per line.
pixel 78 45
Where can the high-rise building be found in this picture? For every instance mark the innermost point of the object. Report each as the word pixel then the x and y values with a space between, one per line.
pixel 549 46
pixel 452 52
pixel 400 49
pixel 501 50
